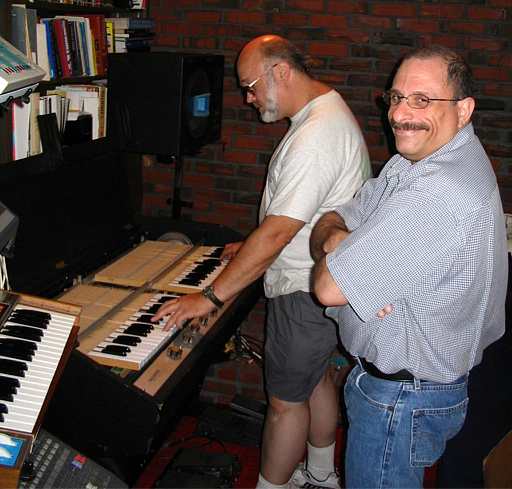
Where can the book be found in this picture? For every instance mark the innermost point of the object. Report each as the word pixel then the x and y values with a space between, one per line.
pixel 20 130
pixel 42 50
pixel 52 62
pixel 32 34
pixel 19 27
pixel 109 29
pixel 63 53
pixel 97 24
pixel 34 136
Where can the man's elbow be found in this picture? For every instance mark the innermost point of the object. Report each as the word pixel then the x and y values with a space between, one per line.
pixel 328 298
pixel 327 292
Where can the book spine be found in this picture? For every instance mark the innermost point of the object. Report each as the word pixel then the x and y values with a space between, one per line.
pixel 64 54
pixel 50 48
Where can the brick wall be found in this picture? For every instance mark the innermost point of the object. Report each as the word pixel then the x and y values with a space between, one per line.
pixel 356 44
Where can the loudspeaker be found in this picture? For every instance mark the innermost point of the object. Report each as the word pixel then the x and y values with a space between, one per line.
pixel 165 103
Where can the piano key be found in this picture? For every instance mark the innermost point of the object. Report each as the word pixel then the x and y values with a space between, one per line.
pixel 141 337
pixel 31 376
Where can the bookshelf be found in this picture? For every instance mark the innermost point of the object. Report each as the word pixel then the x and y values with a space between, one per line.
pixel 52 10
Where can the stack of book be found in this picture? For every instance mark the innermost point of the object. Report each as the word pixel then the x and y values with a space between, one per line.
pixel 126 34
pixel 64 46
pixel 69 103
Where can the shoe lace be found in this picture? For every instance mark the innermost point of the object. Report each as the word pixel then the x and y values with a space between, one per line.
pixel 309 475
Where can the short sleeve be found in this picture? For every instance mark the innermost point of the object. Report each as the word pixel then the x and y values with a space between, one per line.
pixel 303 183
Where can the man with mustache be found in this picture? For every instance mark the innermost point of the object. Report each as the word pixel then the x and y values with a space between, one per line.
pixel 321 160
pixel 415 271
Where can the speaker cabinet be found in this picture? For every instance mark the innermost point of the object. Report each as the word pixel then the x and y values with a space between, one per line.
pixel 165 103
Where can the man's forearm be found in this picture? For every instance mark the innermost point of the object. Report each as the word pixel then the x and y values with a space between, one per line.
pixel 257 253
pixel 327 233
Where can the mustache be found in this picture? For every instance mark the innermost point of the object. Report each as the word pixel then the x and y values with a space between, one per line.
pixel 409 126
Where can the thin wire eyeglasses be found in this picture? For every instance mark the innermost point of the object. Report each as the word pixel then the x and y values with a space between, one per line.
pixel 415 100
pixel 249 88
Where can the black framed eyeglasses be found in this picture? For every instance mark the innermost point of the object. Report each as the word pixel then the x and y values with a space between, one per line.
pixel 415 100
pixel 249 88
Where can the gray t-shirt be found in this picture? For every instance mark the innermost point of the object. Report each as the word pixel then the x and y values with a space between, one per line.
pixel 321 162
pixel 430 239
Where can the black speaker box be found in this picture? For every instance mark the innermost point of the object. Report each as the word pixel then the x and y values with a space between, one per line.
pixel 165 103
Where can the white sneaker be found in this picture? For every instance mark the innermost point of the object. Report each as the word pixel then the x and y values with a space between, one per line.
pixel 302 478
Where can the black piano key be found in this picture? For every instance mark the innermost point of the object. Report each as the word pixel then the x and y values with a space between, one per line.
pixel 127 340
pixel 32 313
pixel 9 382
pixel 138 329
pixel 12 367
pixel 145 318
pixel 154 308
pixel 6 396
pixel 3 408
pixel 20 349
pixel 185 281
pixel 32 334
pixel 36 323
pixel 119 350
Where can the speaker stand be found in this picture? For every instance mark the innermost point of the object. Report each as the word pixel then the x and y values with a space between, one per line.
pixel 177 203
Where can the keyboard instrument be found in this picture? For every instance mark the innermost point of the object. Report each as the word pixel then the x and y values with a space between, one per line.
pixel 142 264
pixel 129 339
pixel 192 274
pixel 36 339
pixel 127 379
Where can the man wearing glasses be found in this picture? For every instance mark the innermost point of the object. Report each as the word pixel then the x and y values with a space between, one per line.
pixel 416 269
pixel 322 160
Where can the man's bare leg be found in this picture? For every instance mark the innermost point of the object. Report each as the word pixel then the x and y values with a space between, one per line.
pixel 288 426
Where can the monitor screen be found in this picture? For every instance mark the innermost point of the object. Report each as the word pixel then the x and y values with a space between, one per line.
pixel 201 105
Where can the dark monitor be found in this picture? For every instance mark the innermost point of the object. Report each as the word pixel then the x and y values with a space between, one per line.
pixel 8 229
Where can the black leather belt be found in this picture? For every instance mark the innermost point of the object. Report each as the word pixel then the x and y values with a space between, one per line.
pixel 400 376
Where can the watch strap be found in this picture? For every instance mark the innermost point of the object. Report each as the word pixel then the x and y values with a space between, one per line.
pixel 210 294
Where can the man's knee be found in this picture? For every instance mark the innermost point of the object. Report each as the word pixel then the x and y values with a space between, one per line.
pixel 279 407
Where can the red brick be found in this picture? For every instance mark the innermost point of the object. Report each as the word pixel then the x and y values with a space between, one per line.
pixel 486 13
pixel 372 21
pixel 309 5
pixel 346 6
pixel 154 201
pixel 350 35
pixel 443 39
pixel 490 73
pixel 224 208
pixel 326 20
pixel 466 27
pixel 168 40
pixel 289 18
pixel 485 44
pixel 276 131
pixel 497 89
pixel 241 156
pixel 227 371
pixel 202 181
pixel 328 49
pixel 244 17
pixel 444 11
pixel 202 17
pixel 418 25
pixel 252 142
pixel 258 394
pixel 217 386
pixel 394 9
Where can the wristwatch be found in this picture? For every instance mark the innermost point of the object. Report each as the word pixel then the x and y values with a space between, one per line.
pixel 210 294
